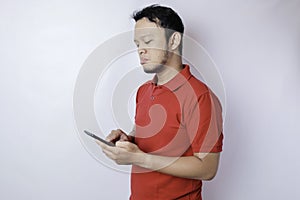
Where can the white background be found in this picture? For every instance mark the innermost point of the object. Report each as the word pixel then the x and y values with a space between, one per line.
pixel 255 44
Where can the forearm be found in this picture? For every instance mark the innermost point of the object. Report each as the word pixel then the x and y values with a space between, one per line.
pixel 191 167
pixel 199 166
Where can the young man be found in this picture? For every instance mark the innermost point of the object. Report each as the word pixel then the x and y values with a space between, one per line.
pixel 177 138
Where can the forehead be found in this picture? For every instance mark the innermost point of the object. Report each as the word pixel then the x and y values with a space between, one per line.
pixel 144 27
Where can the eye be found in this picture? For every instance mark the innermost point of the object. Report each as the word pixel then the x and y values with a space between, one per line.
pixel 147 42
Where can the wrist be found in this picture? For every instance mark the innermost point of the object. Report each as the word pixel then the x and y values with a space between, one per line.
pixel 142 160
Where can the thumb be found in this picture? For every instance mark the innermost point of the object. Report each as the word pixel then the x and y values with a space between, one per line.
pixel 123 144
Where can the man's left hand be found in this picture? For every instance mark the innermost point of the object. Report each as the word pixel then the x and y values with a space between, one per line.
pixel 124 153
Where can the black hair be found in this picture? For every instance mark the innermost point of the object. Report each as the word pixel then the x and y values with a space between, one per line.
pixel 163 16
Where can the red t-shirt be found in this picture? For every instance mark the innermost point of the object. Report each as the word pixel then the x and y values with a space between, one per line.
pixel 179 118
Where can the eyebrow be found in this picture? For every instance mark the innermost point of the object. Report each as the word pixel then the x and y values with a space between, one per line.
pixel 143 36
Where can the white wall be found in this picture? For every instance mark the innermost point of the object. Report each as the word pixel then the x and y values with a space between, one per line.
pixel 255 45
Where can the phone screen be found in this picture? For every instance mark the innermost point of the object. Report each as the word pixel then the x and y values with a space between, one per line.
pixel 99 139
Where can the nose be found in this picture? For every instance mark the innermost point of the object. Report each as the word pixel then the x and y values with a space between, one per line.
pixel 141 50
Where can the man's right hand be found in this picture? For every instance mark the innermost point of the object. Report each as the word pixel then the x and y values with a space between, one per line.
pixel 119 135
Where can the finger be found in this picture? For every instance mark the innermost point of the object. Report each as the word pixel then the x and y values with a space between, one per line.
pixel 104 146
pixel 114 135
pixel 109 154
pixel 119 131
pixel 114 153
pixel 124 137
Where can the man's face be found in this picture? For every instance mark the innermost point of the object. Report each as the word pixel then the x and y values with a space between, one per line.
pixel 152 46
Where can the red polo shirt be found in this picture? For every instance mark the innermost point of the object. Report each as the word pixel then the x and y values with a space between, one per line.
pixel 179 118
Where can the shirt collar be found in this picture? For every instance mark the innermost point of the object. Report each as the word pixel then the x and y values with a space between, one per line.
pixel 178 80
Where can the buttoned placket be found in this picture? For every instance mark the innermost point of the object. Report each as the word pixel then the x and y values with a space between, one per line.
pixel 156 90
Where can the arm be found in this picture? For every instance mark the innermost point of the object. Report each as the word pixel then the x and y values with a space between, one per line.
pixel 200 166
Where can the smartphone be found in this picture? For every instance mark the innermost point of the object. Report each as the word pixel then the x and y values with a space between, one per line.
pixel 99 139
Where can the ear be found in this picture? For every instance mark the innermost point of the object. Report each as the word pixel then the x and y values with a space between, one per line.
pixel 174 41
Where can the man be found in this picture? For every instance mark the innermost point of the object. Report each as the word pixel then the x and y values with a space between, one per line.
pixel 177 138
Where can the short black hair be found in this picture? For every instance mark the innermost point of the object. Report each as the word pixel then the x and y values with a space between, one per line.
pixel 163 16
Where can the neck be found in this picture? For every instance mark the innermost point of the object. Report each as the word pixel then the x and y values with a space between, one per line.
pixel 171 68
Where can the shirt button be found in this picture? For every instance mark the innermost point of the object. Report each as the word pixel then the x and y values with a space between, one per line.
pixel 152 97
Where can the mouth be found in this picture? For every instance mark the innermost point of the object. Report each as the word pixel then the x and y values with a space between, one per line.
pixel 143 61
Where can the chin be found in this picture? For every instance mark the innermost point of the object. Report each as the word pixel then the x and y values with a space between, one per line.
pixel 148 71
pixel 150 68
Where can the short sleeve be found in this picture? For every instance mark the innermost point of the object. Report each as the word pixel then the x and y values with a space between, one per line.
pixel 204 124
